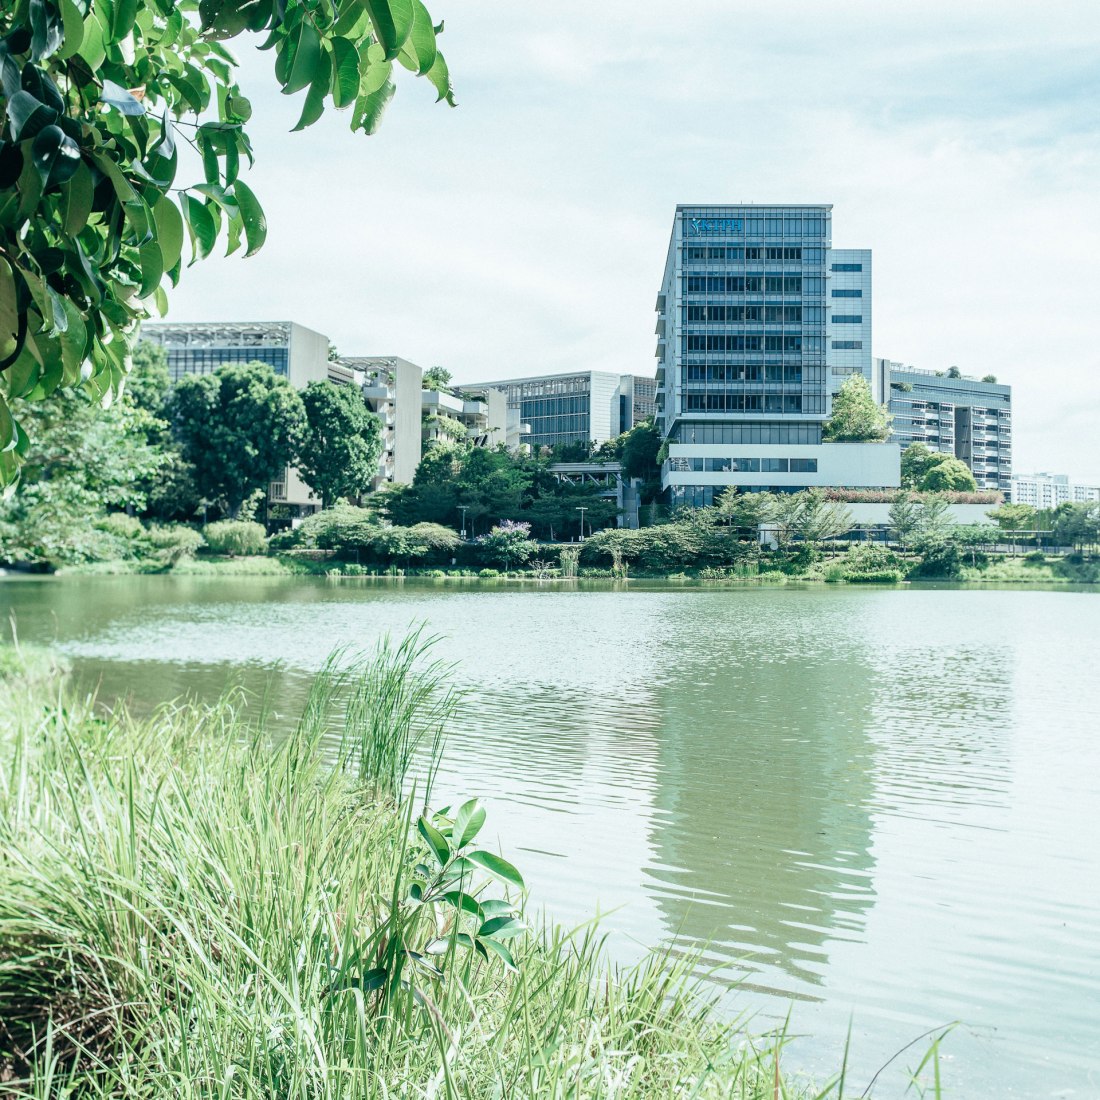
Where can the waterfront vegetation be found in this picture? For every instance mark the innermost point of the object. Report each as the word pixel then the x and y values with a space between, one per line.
pixel 191 906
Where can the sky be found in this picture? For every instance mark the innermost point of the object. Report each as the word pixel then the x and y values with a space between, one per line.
pixel 526 230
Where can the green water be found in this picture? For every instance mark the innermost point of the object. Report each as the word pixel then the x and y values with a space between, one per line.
pixel 880 805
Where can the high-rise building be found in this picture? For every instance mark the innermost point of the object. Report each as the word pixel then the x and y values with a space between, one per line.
pixel 1050 490
pixel 587 406
pixel 760 320
pixel 952 413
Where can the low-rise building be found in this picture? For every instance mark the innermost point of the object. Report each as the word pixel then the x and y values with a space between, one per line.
pixel 476 416
pixel 951 413
pixel 1049 490
pixel 587 406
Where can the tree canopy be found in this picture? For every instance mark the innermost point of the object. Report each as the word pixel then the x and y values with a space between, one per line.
pixel 934 471
pixel 855 417
pixel 342 442
pixel 97 100
pixel 240 427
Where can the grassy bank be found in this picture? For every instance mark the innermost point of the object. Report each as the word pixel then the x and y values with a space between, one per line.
pixel 188 908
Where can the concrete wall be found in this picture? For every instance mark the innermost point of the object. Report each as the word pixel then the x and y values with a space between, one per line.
pixel 969 515
pixel 407 406
pixel 852 465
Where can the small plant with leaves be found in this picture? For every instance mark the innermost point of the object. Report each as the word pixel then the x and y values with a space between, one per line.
pixel 437 913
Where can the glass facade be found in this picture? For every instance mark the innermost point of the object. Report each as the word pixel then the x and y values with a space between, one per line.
pixel 202 348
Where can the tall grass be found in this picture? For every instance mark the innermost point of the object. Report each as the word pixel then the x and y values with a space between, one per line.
pixel 191 907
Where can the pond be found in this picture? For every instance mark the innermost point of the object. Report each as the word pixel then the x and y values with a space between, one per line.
pixel 878 806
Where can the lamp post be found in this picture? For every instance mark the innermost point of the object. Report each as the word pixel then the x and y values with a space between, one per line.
pixel 582 509
pixel 463 523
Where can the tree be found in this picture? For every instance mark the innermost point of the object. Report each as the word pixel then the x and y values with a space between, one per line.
pixel 83 460
pixel 954 372
pixel 149 382
pixel 1013 517
pixel 745 511
pixel 1077 524
pixel 819 519
pixel 508 544
pixel 935 517
pixel 93 218
pixel 437 378
pixel 856 418
pixel 638 455
pixel 342 443
pixel 948 474
pixel 916 460
pixel 240 427
pixel 905 518
pixel 991 378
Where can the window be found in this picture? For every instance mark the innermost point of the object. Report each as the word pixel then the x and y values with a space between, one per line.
pixel 847 293
pixel 773 465
pixel 847 319
pixel 783 254
pixel 754 253
pixel 847 345
pixel 847 267
pixel 803 465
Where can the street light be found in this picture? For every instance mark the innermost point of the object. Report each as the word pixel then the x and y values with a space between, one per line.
pixel 582 509
pixel 463 523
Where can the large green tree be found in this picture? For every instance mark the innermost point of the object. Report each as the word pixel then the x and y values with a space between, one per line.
pixel 342 444
pixel 240 427
pixel 948 475
pixel 856 418
pixel 84 460
pixel 96 99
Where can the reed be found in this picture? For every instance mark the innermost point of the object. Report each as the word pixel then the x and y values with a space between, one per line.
pixel 192 906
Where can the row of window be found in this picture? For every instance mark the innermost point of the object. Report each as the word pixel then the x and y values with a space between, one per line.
pixel 725 341
pixel 847 267
pixel 756 226
pixel 698 254
pixel 739 315
pixel 847 293
pixel 743 465
pixel 751 284
pixel 554 406
pixel 192 360
pixel 704 431
pixel 847 319
pixel 847 345
pixel 743 402
pixel 751 372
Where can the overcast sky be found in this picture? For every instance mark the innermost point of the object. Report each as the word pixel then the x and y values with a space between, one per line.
pixel 526 230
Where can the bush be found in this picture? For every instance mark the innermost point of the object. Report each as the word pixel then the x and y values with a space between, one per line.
pixel 869 559
pixel 489 573
pixel 507 545
pixel 234 537
pixel 938 559
pixel 1035 557
pixel 342 527
pixel 122 526
pixel 669 547
pixel 876 576
pixel 175 543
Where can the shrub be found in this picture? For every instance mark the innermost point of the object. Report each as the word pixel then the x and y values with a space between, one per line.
pixel 877 576
pixel 669 547
pixel 868 558
pixel 938 559
pixel 234 537
pixel 1035 557
pixel 174 543
pixel 489 573
pixel 508 544
pixel 121 525
pixel 342 527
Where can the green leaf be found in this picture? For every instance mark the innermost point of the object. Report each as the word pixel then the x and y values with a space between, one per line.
pixel 466 902
pixel 308 60
pixel 392 21
pixel 152 267
pixel 55 155
pixel 74 343
pixel 345 73
pixel 22 375
pixel 440 78
pixel 375 73
pixel 422 38
pixel 314 105
pixel 369 109
pixel 27 116
pixel 72 29
pixel 502 928
pixel 435 840
pixel 468 823
pixel 114 95
pixel 496 907
pixel 76 198
pixel 498 949
pixel 237 106
pixel 255 223
pixel 201 225
pixel 7 426
pixel 499 868
pixel 169 223
pixel 125 13
pixel 93 46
